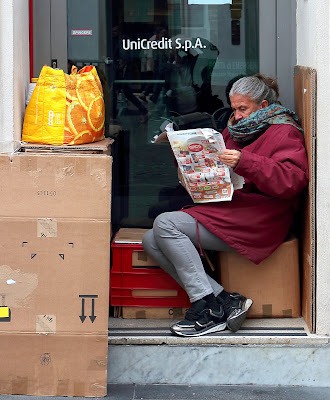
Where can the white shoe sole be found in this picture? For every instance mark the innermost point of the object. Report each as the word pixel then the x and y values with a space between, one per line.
pixel 237 317
pixel 194 333
pixel 176 328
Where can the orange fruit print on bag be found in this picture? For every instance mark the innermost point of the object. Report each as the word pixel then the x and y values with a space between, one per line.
pixel 65 109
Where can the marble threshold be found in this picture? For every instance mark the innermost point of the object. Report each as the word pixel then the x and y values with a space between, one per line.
pixel 272 331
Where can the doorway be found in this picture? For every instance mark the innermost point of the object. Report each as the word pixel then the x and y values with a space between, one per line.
pixel 159 60
pixel 162 60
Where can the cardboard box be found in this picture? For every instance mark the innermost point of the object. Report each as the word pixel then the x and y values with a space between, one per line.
pixel 100 147
pixel 55 185
pixel 130 235
pixel 142 259
pixel 54 273
pixel 59 365
pixel 273 285
pixel 54 276
pixel 174 313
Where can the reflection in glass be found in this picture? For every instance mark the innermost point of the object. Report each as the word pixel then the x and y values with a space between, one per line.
pixel 165 59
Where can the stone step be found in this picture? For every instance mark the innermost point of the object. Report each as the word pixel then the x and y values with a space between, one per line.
pixel 262 352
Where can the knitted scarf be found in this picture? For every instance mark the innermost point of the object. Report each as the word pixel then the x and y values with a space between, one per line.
pixel 256 123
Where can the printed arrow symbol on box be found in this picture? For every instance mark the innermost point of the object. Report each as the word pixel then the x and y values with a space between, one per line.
pixel 83 297
pixel 92 317
pixel 82 316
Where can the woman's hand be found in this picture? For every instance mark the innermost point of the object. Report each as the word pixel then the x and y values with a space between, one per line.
pixel 162 138
pixel 230 157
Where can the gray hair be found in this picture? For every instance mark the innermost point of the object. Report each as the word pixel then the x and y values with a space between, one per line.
pixel 258 87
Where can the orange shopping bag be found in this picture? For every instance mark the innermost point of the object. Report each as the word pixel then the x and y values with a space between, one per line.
pixel 65 109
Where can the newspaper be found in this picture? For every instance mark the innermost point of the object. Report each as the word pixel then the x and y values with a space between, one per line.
pixel 200 170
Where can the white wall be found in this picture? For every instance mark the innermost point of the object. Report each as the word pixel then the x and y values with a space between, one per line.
pixel 14 70
pixel 313 47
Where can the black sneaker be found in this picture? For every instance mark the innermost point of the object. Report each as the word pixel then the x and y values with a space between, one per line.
pixel 210 321
pixel 230 301
pixel 236 308
pixel 192 315
pixel 238 316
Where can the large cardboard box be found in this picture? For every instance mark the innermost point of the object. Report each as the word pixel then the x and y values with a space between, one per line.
pixel 55 185
pixel 273 285
pixel 54 273
pixel 61 365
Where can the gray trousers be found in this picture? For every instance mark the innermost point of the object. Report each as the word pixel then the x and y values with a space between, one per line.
pixel 173 243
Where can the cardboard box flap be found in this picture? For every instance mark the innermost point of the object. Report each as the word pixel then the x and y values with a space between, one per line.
pixel 100 146
pixel 130 235
pixel 305 107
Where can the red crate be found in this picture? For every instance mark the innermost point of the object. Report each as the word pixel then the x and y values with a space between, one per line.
pixel 133 271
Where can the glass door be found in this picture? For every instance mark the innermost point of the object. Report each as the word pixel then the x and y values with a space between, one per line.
pixel 170 60
pixel 158 60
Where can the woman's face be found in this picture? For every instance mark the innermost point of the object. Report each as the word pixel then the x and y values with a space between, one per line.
pixel 243 106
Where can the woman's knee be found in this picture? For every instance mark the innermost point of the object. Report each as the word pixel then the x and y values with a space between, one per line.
pixel 163 222
pixel 148 240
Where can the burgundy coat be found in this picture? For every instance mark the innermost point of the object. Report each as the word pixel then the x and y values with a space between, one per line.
pixel 260 214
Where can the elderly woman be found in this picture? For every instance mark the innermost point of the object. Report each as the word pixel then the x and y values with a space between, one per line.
pixel 265 145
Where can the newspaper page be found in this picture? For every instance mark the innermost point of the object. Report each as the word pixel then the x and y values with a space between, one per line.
pixel 199 168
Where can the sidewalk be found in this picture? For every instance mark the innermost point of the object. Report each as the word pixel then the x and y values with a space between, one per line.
pixel 191 392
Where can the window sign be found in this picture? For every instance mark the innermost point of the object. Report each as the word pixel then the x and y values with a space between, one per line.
pixel 210 2
pixel 81 32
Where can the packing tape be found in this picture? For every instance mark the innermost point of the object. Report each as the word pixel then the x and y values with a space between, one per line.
pixel 141 314
pixel 17 149
pixel 28 164
pixel 80 167
pixel 20 385
pixel 267 310
pixel 46 227
pixel 287 313
pixel 79 389
pixel 45 324
pixel 142 256
pixel 62 387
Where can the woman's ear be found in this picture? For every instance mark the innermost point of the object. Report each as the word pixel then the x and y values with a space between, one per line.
pixel 264 104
